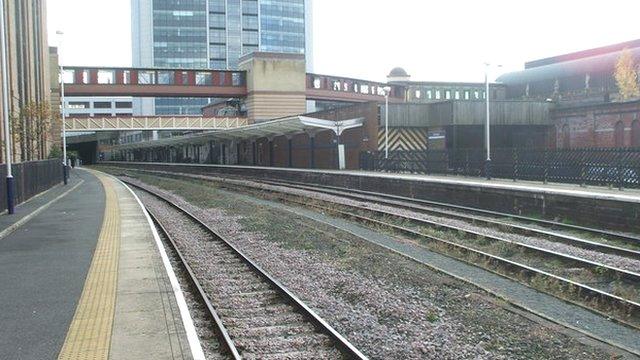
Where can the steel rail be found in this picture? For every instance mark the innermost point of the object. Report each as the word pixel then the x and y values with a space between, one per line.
pixel 626 274
pixel 622 273
pixel 613 235
pixel 520 229
pixel 586 291
pixel 341 343
pixel 222 333
pixel 626 238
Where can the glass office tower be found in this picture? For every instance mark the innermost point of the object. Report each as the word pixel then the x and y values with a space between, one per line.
pixel 213 34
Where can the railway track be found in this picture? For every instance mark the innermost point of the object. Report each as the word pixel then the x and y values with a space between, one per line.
pixel 591 294
pixel 255 317
pixel 608 242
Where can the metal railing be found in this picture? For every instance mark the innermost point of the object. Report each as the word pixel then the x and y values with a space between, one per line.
pixel 122 123
pixel 31 178
pixel 615 167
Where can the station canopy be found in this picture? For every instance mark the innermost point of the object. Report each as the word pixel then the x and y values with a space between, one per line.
pixel 279 127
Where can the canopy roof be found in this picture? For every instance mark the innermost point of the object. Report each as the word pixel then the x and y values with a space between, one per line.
pixel 279 127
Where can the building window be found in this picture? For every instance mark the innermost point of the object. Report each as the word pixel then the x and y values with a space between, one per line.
pixel 218 51
pixel 447 94
pixel 236 79
pixel 466 95
pixel 456 94
pixel 218 21
pixel 250 37
pixel 566 136
pixel 429 94
pixel 68 76
pixel 78 105
pixel 249 22
pixel 218 64
pixel 619 134
pixel 123 105
pixel 106 77
pixel 165 77
pixel 217 5
pixel 146 78
pixel 476 94
pixel 635 133
pixel 317 83
pixel 437 94
pixel 217 36
pixel 102 104
pixel 418 94
pixel 203 78
pixel 484 94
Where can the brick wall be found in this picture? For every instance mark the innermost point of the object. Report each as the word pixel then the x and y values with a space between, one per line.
pixel 603 125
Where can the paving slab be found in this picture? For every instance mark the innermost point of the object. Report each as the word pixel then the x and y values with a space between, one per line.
pixel 83 278
pixel 43 266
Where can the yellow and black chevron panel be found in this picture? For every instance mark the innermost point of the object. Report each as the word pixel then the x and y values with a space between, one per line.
pixel 404 139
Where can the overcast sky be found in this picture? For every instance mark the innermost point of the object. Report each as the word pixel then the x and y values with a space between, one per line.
pixel 440 41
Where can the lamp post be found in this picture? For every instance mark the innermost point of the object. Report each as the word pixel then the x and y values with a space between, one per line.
pixel 487 96
pixel 65 168
pixel 387 92
pixel 5 112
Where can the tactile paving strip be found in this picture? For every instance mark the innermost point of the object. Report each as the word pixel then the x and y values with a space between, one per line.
pixel 89 335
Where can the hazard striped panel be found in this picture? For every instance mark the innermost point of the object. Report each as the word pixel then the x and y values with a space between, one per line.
pixel 404 139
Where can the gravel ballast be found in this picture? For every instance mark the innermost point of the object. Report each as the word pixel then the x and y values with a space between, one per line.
pixel 388 307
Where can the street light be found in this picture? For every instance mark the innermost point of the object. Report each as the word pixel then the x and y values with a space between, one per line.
pixel 5 112
pixel 65 168
pixel 487 96
pixel 387 91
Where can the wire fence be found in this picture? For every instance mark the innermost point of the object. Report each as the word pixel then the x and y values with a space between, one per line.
pixel 616 167
pixel 31 178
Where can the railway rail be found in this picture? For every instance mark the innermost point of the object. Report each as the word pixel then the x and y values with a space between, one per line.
pixel 625 244
pixel 591 295
pixel 264 312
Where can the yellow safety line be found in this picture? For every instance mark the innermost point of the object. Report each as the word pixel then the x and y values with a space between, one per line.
pixel 89 335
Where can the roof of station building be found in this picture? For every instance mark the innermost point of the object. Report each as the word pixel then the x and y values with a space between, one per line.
pixel 594 61
pixel 279 127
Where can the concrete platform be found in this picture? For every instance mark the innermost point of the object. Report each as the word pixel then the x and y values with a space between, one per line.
pixel 595 206
pixel 85 278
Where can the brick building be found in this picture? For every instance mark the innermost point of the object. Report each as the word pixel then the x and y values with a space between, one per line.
pixel 588 111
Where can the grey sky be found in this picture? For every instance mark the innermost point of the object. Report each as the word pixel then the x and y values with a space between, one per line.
pixel 443 40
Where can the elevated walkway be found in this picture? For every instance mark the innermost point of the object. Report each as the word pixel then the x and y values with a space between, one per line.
pixel 83 277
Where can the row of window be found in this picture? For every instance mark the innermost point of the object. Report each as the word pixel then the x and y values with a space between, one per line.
pixel 339 85
pixel 447 94
pixel 147 77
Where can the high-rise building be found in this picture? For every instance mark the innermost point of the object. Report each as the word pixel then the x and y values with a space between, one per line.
pixel 29 82
pixel 213 34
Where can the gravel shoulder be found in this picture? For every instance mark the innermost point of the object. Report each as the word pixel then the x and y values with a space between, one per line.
pixel 388 306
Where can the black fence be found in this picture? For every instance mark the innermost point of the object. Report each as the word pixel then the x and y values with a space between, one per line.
pixel 618 167
pixel 31 178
